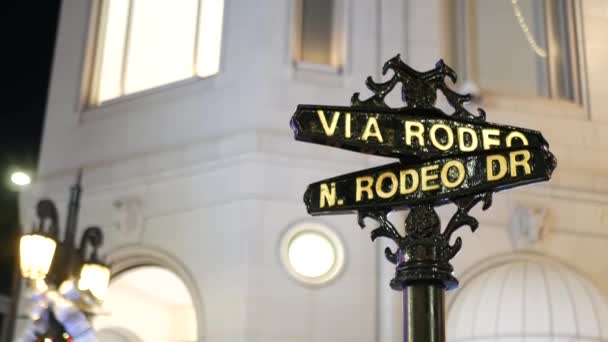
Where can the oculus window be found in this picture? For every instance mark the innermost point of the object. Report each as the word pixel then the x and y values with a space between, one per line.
pixel 518 47
pixel 312 253
pixel 318 34
pixel 143 44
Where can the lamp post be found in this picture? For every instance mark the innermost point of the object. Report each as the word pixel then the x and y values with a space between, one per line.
pixel 50 263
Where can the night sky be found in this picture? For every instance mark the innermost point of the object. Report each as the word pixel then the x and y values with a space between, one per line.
pixel 30 31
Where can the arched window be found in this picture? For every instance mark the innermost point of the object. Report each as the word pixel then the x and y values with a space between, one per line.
pixel 528 298
pixel 150 302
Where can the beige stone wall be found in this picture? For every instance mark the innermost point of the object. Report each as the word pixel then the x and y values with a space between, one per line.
pixel 219 177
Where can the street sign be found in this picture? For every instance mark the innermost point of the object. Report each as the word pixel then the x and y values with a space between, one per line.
pixel 437 181
pixel 442 157
pixel 406 133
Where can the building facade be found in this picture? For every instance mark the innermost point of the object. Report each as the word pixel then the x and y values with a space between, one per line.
pixel 178 115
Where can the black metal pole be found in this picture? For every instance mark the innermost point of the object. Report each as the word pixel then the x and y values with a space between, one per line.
pixel 8 334
pixel 423 271
pixel 55 329
pixel 66 261
pixel 73 208
pixel 424 314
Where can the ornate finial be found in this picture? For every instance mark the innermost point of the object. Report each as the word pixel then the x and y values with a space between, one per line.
pixel 419 89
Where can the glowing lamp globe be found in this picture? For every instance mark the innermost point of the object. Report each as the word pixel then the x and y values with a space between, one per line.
pixel 20 178
pixel 94 277
pixel 36 253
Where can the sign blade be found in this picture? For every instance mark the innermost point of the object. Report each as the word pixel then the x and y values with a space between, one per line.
pixel 437 181
pixel 406 133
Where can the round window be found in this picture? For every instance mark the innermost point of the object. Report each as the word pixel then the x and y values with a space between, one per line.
pixel 312 253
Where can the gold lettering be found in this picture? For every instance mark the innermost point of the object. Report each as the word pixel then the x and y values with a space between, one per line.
pixel 518 135
pixel 461 144
pixel 436 142
pixel 367 188
pixel 426 177
pixel 444 174
pixel 328 129
pixel 347 133
pixel 489 138
pixel 415 181
pixel 411 132
pixel 393 188
pixel 502 167
pixel 327 196
pixel 524 162
pixel 372 123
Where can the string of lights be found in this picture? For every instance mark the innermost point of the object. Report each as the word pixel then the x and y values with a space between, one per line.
pixel 526 30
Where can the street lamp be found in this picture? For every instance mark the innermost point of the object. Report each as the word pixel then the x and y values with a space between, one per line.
pixel 47 261
pixel 36 252
pixel 20 178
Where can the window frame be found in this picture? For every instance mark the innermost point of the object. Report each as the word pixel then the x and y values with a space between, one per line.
pixel 92 68
pixel 464 43
pixel 322 73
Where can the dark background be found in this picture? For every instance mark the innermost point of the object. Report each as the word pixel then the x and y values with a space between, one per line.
pixel 30 29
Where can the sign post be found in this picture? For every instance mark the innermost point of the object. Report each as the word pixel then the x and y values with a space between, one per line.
pixel 443 158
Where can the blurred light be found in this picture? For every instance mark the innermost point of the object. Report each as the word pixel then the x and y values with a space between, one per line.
pixel 66 286
pixel 526 30
pixel 166 43
pixel 111 51
pixel 20 178
pixel 209 37
pixel 95 278
pixel 161 44
pixel 41 286
pixel 53 296
pixel 311 254
pixel 36 255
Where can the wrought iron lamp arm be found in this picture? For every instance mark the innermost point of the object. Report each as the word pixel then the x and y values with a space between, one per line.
pixel 92 236
pixel 47 218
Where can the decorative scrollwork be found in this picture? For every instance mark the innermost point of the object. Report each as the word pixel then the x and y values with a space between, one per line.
pixel 419 89
pixel 48 219
pixel 424 252
pixel 94 237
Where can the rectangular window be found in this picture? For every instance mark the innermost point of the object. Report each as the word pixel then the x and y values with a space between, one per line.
pixel 319 33
pixel 142 44
pixel 518 47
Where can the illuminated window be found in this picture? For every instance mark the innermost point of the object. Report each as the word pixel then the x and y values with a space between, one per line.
pixel 318 39
pixel 518 47
pixel 142 44
pixel 312 253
